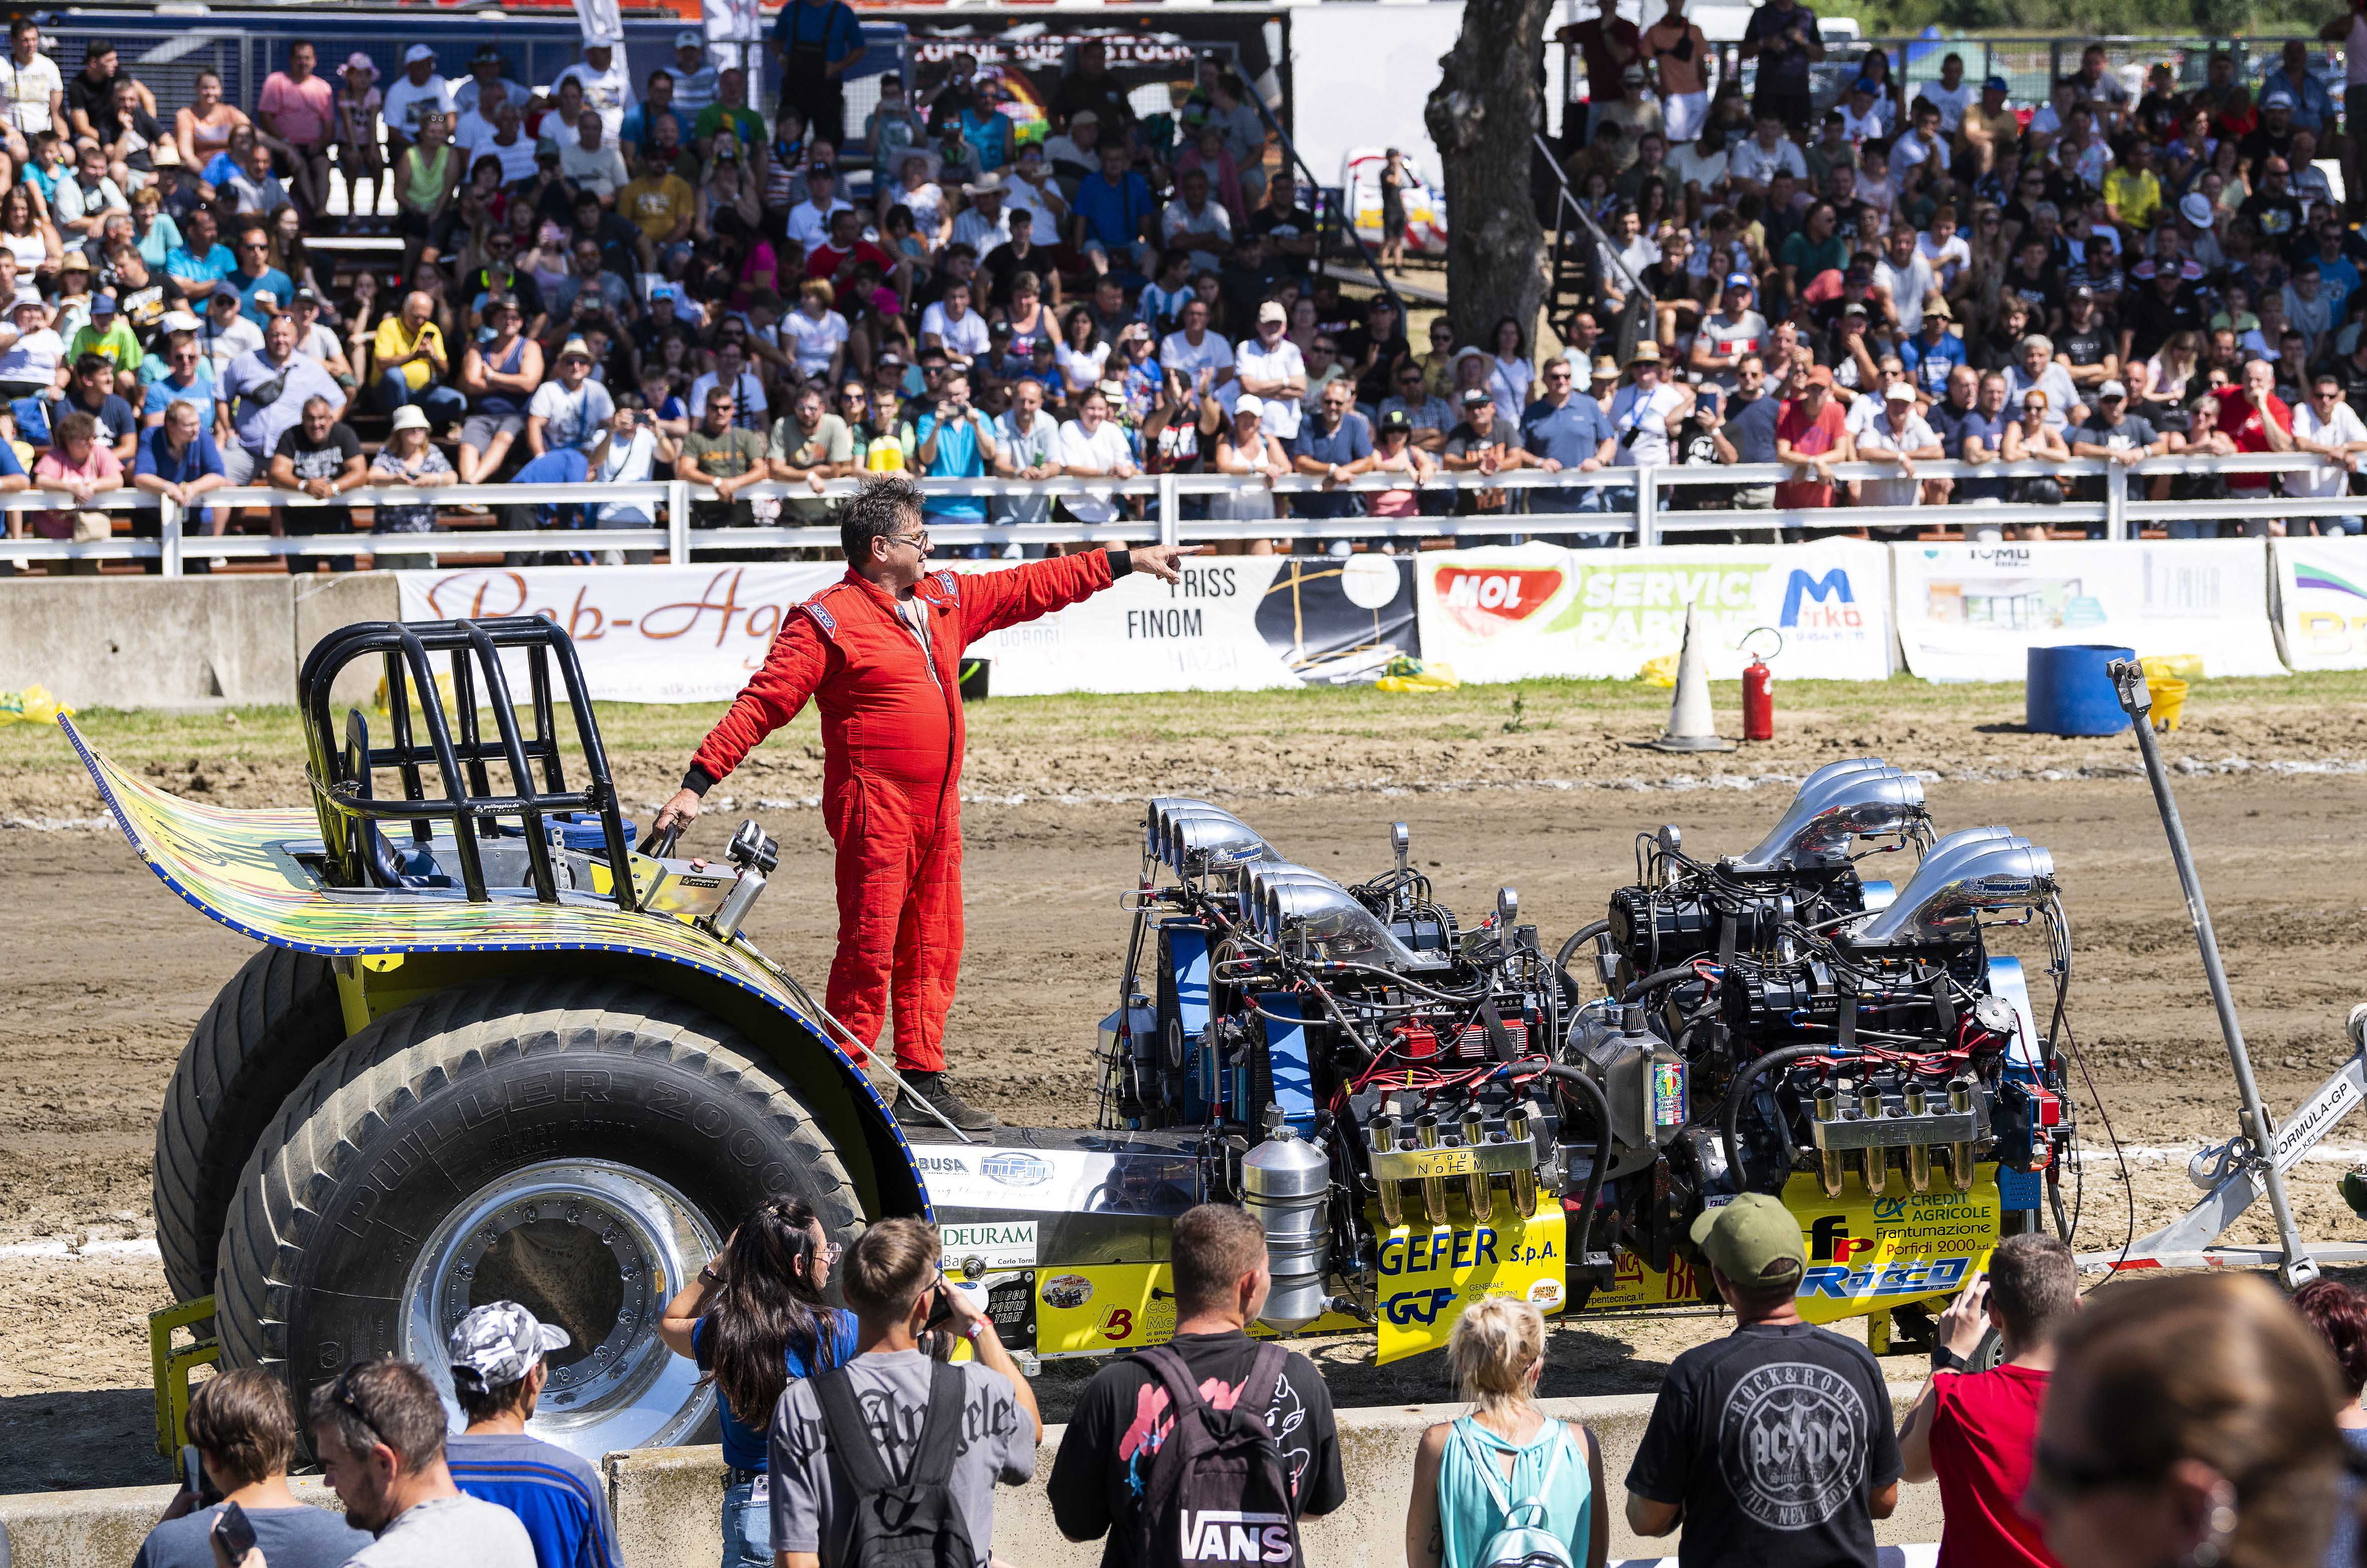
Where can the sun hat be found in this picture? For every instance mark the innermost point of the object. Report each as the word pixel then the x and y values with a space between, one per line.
pixel 409 416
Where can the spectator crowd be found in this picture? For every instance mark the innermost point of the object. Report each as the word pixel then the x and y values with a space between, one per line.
pixel 624 281
pixel 2202 1421
pixel 623 278
pixel 2131 266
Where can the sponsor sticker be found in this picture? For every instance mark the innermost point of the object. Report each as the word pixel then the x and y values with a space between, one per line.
pixel 1430 1274
pixel 1066 1292
pixel 1008 1243
pixel 1016 1167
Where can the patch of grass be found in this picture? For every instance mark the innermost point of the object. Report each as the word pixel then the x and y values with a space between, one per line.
pixel 261 735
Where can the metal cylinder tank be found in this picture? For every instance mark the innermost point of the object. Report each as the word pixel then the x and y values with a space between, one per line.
pixel 1287 1187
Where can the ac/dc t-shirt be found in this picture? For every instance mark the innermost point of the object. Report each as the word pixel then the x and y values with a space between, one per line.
pixel 1771 1438
pixel 1122 1417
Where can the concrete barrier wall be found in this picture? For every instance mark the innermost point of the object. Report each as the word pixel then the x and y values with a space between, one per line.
pixel 148 642
pixel 668 1501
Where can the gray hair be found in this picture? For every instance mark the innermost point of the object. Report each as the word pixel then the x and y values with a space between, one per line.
pixel 883 503
pixel 2039 340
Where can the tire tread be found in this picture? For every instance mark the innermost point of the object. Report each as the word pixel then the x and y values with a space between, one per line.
pixel 264 1031
pixel 455 1033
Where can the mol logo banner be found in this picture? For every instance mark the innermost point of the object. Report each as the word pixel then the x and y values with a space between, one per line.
pixel 1505 613
pixel 1486 598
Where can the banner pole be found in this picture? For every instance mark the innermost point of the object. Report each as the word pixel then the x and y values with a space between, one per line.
pixel 1167 518
pixel 2116 502
pixel 168 536
pixel 678 522
pixel 1648 506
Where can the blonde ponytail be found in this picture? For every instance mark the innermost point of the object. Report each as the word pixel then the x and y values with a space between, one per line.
pixel 1495 1343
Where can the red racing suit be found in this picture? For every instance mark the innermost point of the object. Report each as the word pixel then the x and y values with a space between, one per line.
pixel 892 730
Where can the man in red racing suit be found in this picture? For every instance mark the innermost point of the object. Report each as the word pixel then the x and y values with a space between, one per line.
pixel 879 651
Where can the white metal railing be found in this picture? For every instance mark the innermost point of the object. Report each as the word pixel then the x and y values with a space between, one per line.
pixel 1637 511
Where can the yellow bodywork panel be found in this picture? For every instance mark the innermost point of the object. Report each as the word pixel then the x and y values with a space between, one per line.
pixel 1867 1254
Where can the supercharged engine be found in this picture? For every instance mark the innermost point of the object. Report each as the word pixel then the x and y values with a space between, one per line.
pixel 1384 1083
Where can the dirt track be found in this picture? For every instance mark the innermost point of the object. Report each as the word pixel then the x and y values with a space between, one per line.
pixel 106 972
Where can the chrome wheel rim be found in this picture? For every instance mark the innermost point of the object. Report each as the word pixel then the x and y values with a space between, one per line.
pixel 597 1247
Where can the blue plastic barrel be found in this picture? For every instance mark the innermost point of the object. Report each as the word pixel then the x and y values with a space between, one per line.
pixel 2067 692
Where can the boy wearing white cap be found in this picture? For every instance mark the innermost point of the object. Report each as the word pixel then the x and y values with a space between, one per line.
pixel 420 90
pixel 607 85
pixel 500 1366
pixel 694 78
pixel 1270 366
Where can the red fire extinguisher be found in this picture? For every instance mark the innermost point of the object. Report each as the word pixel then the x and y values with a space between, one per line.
pixel 1759 690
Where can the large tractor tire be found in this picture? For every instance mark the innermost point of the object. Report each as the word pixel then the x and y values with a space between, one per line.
pixel 577 1147
pixel 270 1026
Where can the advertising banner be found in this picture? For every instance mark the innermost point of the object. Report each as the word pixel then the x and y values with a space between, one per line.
pixel 1510 612
pixel 1020 58
pixel 1973 612
pixel 2321 587
pixel 648 634
pixel 695 634
pixel 1234 623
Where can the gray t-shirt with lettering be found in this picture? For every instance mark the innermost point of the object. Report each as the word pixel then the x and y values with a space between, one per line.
pixel 891 1387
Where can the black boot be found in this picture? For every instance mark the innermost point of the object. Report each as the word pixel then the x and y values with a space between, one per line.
pixel 937 1090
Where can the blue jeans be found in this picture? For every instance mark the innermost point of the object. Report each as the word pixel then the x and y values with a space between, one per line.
pixel 444 405
pixel 747 1528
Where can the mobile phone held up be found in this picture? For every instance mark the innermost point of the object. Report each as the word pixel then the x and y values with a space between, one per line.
pixel 194 1479
pixel 234 1531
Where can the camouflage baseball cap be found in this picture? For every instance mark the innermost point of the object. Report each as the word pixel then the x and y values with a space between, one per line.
pixel 499 1343
pixel 1754 1241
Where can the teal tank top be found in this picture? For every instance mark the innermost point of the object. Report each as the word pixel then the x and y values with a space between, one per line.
pixel 1550 1467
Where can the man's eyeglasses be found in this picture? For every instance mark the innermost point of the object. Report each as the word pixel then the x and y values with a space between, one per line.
pixel 919 541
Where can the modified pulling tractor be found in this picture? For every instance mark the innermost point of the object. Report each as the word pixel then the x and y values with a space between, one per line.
pixel 492 1049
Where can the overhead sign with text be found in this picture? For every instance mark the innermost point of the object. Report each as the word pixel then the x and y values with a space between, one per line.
pixel 1973 612
pixel 2322 602
pixel 1509 612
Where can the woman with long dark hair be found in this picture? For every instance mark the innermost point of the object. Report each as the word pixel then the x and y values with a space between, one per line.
pixel 753 1319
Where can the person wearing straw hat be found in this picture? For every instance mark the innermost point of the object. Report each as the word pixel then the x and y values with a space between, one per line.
pixel 1646 412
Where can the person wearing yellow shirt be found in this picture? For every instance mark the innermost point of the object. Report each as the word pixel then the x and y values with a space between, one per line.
pixel 662 203
pixel 2132 192
pixel 408 358
pixel 112 339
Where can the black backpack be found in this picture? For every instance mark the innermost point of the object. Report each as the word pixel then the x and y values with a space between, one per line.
pixel 910 1523
pixel 1217 1492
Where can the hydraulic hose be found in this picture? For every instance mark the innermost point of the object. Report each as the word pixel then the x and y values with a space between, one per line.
pixel 1740 1091
pixel 1602 1150
pixel 1569 948
pixel 1658 978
